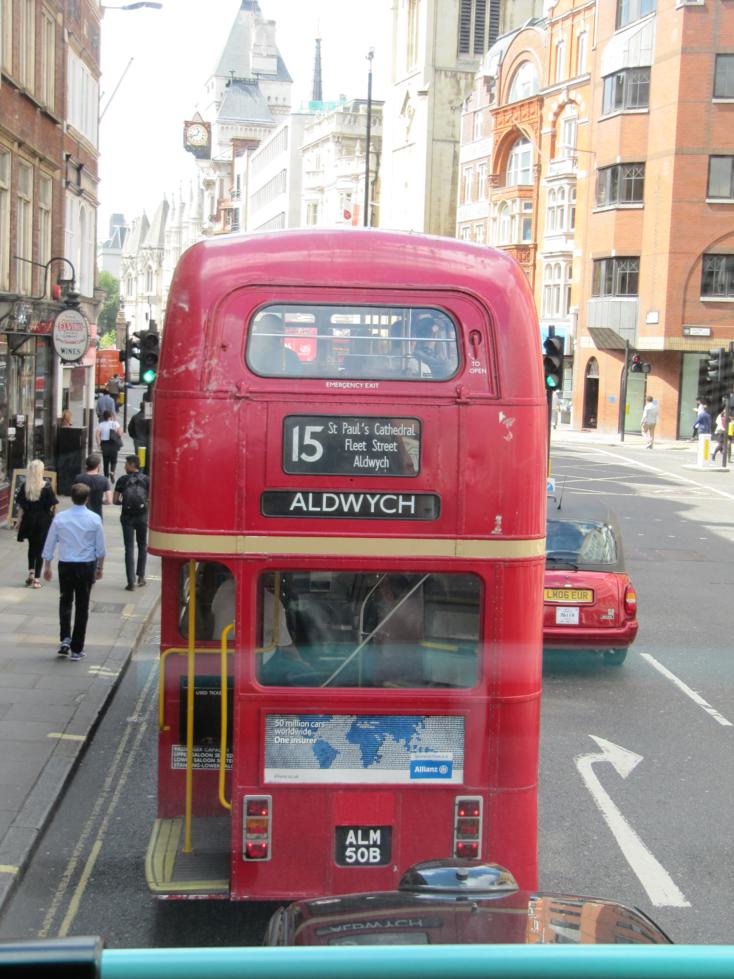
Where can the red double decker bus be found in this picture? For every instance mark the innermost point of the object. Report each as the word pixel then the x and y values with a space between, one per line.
pixel 349 499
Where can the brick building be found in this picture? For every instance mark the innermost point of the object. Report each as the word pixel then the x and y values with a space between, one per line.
pixel 49 108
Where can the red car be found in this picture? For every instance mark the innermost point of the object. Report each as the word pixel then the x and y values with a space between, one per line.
pixel 589 600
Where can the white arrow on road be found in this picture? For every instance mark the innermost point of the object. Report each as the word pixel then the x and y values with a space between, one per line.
pixel 652 875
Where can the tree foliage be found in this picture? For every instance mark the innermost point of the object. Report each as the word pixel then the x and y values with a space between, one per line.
pixel 108 314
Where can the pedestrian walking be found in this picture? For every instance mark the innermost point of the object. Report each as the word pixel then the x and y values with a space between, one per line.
pixel 719 427
pixel 100 488
pixel 109 440
pixel 702 424
pixel 131 493
pixel 649 420
pixel 138 429
pixel 80 539
pixel 105 402
pixel 36 504
pixel 555 408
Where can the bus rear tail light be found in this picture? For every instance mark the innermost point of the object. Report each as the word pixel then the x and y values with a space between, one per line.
pixel 468 827
pixel 630 601
pixel 257 827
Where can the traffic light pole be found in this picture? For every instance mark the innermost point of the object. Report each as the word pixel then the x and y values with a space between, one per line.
pixel 127 376
pixel 623 391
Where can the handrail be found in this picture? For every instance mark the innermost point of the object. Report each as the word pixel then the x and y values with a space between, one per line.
pixel 190 706
pixel 223 725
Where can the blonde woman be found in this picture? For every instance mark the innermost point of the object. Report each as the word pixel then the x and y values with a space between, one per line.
pixel 36 504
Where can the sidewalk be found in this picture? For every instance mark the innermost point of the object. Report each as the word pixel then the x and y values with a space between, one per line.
pixel 632 440
pixel 50 706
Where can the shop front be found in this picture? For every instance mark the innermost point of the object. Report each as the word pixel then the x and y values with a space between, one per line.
pixel 35 387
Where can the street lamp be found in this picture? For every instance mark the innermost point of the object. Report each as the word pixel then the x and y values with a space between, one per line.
pixel 366 219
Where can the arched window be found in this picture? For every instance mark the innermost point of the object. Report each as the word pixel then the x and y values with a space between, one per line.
pixel 519 163
pixel 566 143
pixel 572 209
pixel 560 61
pixel 524 82
pixel 581 53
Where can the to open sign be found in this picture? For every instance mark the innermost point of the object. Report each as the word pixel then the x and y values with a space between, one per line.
pixel 70 335
pixel 363 846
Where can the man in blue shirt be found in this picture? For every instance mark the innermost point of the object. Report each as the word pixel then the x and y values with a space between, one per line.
pixel 80 538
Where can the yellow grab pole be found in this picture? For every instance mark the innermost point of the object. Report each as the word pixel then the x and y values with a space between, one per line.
pixel 190 706
pixel 223 736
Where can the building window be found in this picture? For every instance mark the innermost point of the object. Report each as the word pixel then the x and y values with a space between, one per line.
pixel 721 177
pixel 45 206
pixel 412 45
pixel 628 11
pixel 560 61
pixel 524 83
pixel 482 181
pixel 616 277
pixel 27 45
pixel 724 77
pixel 550 214
pixel 626 89
pixel 473 37
pixel 503 225
pixel 526 222
pixel 519 164
pixel 624 183
pixel 568 135
pixel 82 98
pixel 4 220
pixel 24 227
pixel 572 209
pixel 477 126
pixel 717 277
pixel 479 234
pixel 312 213
pixel 6 35
pixel 466 188
pixel 581 53
pixel 48 59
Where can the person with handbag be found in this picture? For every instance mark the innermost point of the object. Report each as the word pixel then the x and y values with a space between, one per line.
pixel 109 440
pixel 36 505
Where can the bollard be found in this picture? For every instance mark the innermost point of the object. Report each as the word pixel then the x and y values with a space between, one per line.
pixel 704 450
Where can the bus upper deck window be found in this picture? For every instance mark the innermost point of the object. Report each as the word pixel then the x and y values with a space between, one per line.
pixel 372 342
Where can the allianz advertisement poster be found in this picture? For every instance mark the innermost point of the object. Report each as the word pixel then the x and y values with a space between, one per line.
pixel 360 749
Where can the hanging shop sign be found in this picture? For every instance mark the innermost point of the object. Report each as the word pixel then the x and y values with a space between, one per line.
pixel 71 335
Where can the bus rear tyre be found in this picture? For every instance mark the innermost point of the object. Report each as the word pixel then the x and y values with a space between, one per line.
pixel 614 657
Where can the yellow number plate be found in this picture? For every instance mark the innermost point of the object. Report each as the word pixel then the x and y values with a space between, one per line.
pixel 578 595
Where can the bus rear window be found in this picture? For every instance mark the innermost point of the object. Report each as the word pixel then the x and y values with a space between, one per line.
pixel 377 342
pixel 388 630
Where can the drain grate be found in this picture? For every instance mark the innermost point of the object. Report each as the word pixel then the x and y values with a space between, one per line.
pixel 112 607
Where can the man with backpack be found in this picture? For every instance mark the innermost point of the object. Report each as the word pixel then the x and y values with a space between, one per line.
pixel 131 492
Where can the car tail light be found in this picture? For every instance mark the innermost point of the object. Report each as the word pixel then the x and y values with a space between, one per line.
pixel 257 827
pixel 468 827
pixel 630 601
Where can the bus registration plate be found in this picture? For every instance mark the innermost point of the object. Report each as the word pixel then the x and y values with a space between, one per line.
pixel 363 846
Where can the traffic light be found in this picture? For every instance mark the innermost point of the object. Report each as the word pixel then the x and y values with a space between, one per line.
pixel 715 363
pixel 553 362
pixel 703 391
pixel 149 352
pixel 638 365
pixel 132 347
pixel 727 377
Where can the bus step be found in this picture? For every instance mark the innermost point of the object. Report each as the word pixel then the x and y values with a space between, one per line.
pixel 205 871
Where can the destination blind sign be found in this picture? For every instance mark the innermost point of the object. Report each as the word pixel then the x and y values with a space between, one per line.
pixel 348 503
pixel 346 445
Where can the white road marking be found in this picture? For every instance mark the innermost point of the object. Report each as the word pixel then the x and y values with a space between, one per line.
pixel 695 697
pixel 660 887
pixel 664 472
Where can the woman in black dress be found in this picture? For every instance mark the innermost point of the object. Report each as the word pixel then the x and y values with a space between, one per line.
pixel 36 503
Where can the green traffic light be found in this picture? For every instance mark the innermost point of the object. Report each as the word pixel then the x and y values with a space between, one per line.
pixel 551 382
pixel 149 376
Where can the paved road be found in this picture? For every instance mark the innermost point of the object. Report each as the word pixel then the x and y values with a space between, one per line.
pixel 671 704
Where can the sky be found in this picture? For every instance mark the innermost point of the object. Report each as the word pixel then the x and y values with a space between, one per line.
pixel 175 50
